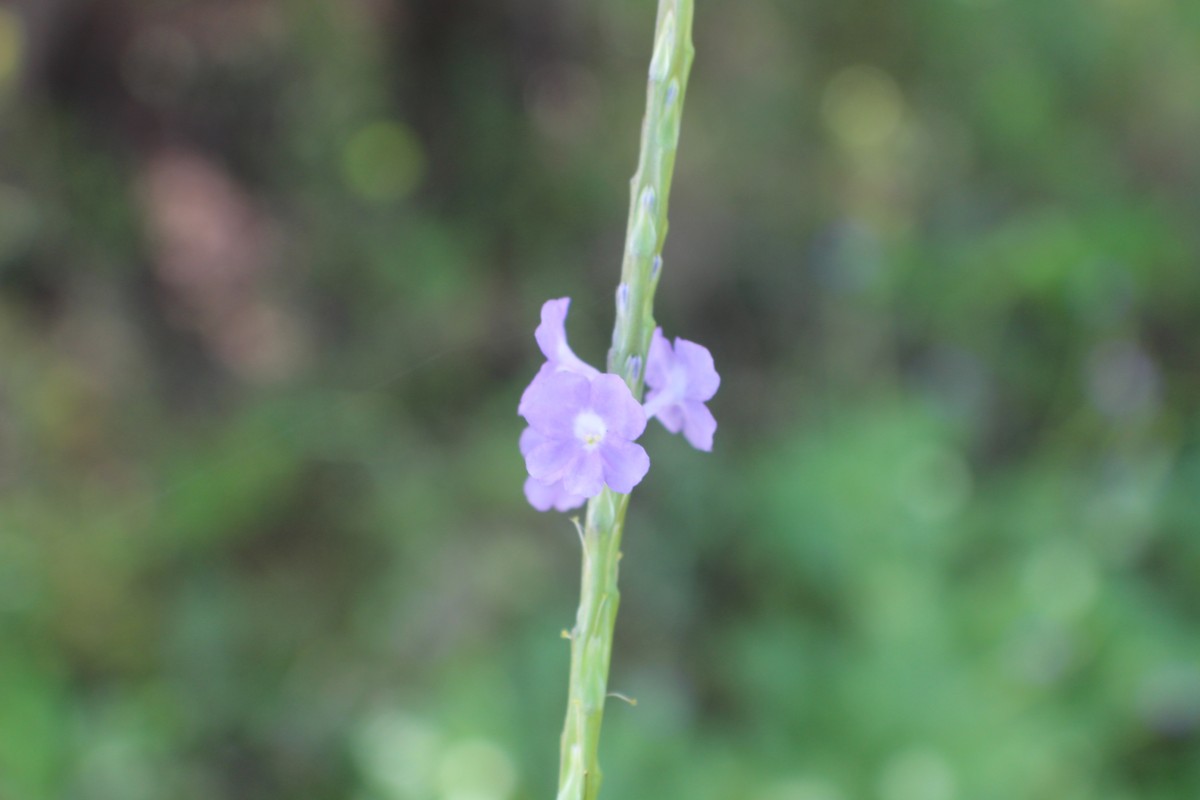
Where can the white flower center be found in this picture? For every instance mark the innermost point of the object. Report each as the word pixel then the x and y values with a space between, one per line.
pixel 590 429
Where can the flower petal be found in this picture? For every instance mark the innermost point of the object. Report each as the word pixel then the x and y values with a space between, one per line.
pixel 697 362
pixel 699 425
pixel 585 475
pixel 523 406
pixel 545 496
pixel 659 361
pixel 670 414
pixel 625 464
pixel 552 401
pixel 550 460
pixel 613 401
pixel 551 336
pixel 529 440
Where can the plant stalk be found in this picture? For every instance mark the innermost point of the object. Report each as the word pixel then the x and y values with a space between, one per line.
pixel 641 269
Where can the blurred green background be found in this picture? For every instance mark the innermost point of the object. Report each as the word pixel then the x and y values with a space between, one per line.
pixel 269 273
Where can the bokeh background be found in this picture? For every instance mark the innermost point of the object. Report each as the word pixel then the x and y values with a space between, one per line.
pixel 269 273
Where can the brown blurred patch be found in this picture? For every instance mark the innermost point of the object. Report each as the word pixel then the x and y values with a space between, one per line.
pixel 213 249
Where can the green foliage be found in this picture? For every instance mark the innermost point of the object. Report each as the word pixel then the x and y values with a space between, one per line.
pixel 268 279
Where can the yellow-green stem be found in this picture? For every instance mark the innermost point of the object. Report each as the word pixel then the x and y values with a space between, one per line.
pixel 641 268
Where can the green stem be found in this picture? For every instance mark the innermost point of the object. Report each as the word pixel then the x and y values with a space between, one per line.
pixel 591 638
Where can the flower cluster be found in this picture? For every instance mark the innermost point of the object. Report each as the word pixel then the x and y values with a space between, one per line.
pixel 584 424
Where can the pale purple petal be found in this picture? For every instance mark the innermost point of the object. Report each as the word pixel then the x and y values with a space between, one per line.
pixel 659 360
pixel 670 415
pixel 541 495
pixel 613 401
pixel 523 406
pixel 552 401
pixel 585 474
pixel 529 440
pixel 550 460
pixel 625 464
pixel 697 364
pixel 545 496
pixel 551 337
pixel 699 425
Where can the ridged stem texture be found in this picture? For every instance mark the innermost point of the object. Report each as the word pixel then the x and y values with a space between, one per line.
pixel 641 268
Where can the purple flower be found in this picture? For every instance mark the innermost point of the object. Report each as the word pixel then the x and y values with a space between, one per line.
pixel 681 380
pixel 545 496
pixel 587 427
